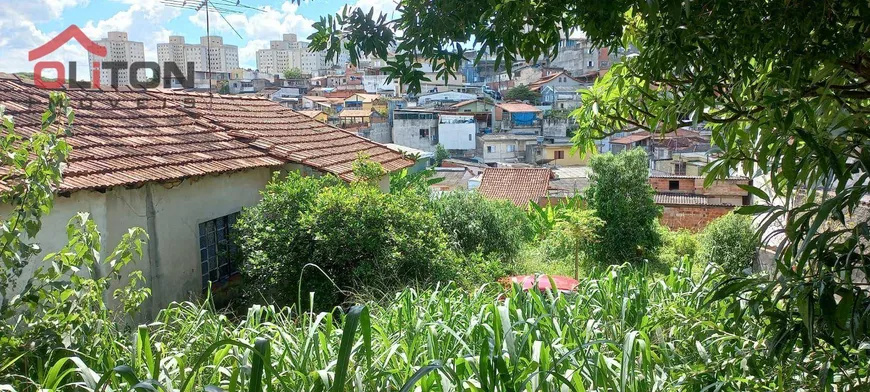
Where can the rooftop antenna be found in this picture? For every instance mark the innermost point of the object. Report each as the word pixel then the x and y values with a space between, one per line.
pixel 221 7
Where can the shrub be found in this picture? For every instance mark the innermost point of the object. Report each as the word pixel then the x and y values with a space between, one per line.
pixel 729 241
pixel 474 224
pixel 622 197
pixel 356 234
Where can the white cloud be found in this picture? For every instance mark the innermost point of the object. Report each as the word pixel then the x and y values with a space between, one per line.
pixel 387 7
pixel 143 20
pixel 263 26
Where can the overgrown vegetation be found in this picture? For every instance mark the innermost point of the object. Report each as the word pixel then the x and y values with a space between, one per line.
pixel 624 329
pixel 342 237
pixel 623 199
pixel 731 242
pixel 522 93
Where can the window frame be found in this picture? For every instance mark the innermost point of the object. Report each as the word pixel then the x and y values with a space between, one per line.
pixel 214 240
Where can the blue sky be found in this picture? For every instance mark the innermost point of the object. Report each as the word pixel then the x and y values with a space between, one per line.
pixel 27 24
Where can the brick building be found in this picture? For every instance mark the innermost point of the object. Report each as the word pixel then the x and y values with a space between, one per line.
pixel 687 204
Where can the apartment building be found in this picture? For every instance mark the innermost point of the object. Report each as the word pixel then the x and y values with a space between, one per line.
pixel 210 55
pixel 118 49
pixel 281 56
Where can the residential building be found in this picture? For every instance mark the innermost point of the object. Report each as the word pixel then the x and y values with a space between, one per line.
pixel 283 55
pixel 687 204
pixel 518 118
pixel 180 171
pixel 517 185
pixel 210 57
pixel 446 98
pixel 554 153
pixel 360 101
pixel 318 115
pixel 630 141
pixel 473 106
pixel 424 129
pixel 579 57
pixel 119 49
pixel 683 163
pixel 424 159
pixel 453 179
pixel 249 86
pixel 503 147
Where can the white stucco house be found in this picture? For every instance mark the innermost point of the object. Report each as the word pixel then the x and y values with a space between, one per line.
pixel 181 166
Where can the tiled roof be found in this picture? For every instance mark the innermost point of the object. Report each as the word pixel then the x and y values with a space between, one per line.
pixel 546 79
pixel 309 113
pixel 659 174
pixel 463 103
pixel 516 107
pixel 366 97
pixel 355 113
pixel 686 199
pixel 519 185
pixel 632 138
pixel 128 137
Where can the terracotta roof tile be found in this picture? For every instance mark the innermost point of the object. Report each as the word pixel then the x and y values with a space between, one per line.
pixel 131 137
pixel 632 138
pixel 516 107
pixel 686 199
pixel 519 185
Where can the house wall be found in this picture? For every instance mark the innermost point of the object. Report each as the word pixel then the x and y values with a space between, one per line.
pixel 380 132
pixel 171 215
pixel 406 132
pixel 694 218
pixel 726 189
pixel 457 136
pixel 476 107
pixel 555 128
pixel 445 96
pixel 569 160
pixel 500 151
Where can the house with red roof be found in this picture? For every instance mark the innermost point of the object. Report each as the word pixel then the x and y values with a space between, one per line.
pixel 180 165
pixel 517 185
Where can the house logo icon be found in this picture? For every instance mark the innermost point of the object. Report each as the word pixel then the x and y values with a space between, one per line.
pixel 71 32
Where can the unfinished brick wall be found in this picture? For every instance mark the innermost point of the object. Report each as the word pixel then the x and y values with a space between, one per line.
pixel 694 218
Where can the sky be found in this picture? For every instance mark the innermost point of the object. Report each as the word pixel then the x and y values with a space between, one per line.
pixel 27 24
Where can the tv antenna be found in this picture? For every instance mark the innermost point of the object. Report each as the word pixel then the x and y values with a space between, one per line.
pixel 221 7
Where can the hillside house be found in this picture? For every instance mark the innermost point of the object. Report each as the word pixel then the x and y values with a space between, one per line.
pixel 360 101
pixel 504 147
pixel 687 204
pixel 181 166
pixel 425 129
pixel 517 185
pixel 518 118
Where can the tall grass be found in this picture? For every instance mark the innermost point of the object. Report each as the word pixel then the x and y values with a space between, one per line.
pixel 621 331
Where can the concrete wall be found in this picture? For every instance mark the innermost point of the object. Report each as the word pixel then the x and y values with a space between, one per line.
pixel 694 218
pixel 555 127
pixel 455 135
pixel 380 132
pixel 499 151
pixel 406 132
pixel 170 215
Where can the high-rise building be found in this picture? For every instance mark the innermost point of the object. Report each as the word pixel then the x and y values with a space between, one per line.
pixel 281 56
pixel 210 55
pixel 118 49
pixel 289 53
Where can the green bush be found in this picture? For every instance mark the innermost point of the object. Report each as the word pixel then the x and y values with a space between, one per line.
pixel 620 194
pixel 356 235
pixel 731 242
pixel 474 224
